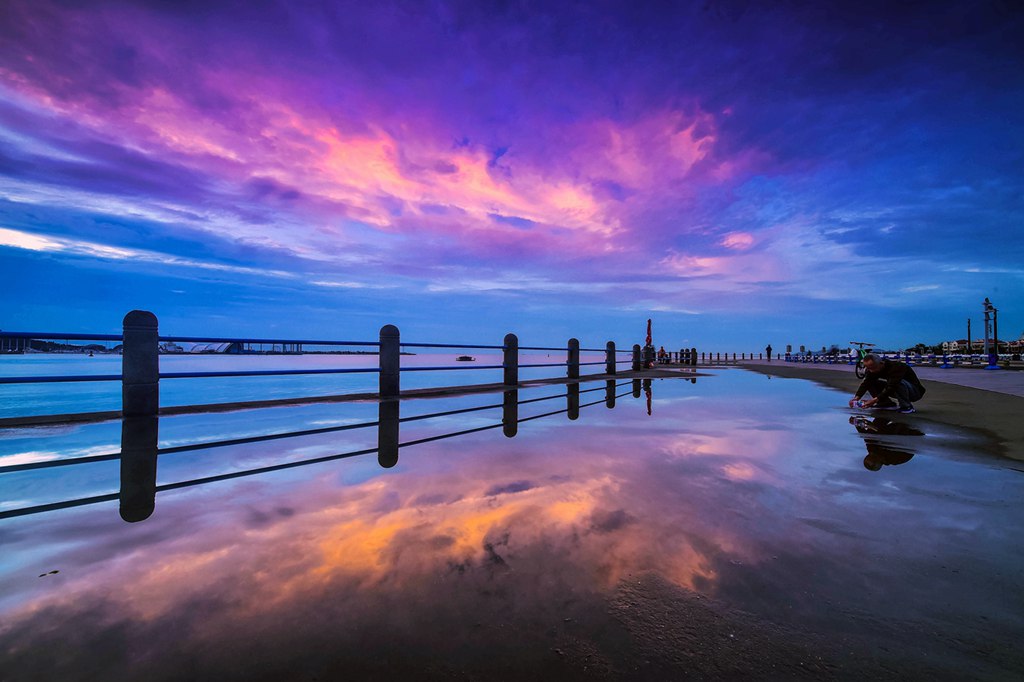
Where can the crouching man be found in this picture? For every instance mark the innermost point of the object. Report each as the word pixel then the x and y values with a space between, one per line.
pixel 893 385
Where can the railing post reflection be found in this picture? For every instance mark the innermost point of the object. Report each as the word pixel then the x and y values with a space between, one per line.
pixel 510 414
pixel 609 394
pixel 636 388
pixel 609 358
pixel 139 438
pixel 572 398
pixel 387 433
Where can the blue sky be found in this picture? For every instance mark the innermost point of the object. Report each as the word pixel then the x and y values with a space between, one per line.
pixel 740 172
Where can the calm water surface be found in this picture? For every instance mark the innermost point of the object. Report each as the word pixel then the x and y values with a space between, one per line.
pixel 746 525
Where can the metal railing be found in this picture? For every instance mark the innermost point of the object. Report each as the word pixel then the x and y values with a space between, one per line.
pixel 141 375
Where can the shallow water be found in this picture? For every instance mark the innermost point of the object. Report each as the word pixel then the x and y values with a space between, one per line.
pixel 575 548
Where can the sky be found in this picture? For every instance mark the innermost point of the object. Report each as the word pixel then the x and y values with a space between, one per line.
pixel 742 173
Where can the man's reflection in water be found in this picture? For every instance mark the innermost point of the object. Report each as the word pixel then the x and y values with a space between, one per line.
pixel 882 453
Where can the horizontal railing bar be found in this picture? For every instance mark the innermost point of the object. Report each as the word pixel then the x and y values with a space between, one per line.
pixel 59 379
pixel 266 373
pixel 449 413
pixel 61 336
pixel 452 367
pixel 545 364
pixel 448 345
pixel 54 506
pixel 54 463
pixel 541 348
pixel 581 364
pixel 230 339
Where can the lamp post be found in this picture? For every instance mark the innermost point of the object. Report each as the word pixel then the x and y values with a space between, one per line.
pixel 992 351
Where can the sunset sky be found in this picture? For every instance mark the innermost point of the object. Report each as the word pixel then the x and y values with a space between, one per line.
pixel 741 172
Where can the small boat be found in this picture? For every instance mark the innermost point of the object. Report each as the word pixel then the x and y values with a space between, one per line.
pixel 466 358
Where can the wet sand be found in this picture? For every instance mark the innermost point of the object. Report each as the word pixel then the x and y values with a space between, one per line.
pixel 997 415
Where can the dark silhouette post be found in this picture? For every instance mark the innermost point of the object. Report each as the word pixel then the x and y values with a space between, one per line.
pixel 636 357
pixel 510 414
pixel 510 360
pixel 636 388
pixel 390 359
pixel 573 365
pixel 609 358
pixel 693 357
pixel 139 439
pixel 572 396
pixel 140 365
pixel 387 432
pixel 609 394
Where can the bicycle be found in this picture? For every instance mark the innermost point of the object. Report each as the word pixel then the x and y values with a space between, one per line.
pixel 864 348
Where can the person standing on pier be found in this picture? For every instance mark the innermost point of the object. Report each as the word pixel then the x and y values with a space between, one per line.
pixel 768 352
pixel 888 379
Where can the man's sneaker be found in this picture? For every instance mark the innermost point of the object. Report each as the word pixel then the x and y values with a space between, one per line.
pixel 909 409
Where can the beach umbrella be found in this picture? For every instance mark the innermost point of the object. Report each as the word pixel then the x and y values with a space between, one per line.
pixel 648 332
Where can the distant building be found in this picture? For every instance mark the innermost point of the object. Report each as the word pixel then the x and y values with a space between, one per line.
pixel 171 347
pixel 227 348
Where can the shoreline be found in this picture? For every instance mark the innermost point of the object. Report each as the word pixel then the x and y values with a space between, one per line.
pixel 991 412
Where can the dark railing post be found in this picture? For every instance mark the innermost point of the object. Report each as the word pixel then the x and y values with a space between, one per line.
pixel 609 394
pixel 140 365
pixel 573 368
pixel 510 360
pixel 390 359
pixel 693 357
pixel 636 357
pixel 609 358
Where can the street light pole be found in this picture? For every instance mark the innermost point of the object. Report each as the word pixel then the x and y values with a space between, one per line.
pixel 993 353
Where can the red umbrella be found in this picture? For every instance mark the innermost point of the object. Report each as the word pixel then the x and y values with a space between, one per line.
pixel 648 332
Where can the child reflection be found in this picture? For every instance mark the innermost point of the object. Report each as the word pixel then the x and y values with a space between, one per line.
pixel 884 453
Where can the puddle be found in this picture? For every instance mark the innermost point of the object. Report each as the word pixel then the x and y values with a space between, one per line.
pixel 746 504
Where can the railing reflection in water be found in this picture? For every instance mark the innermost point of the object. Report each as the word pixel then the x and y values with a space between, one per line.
pixel 140 446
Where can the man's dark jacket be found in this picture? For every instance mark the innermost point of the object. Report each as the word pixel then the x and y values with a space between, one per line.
pixel 893 372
